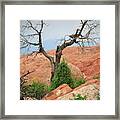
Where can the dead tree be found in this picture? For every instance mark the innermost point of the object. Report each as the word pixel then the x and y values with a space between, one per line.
pixel 84 34
pixel 36 32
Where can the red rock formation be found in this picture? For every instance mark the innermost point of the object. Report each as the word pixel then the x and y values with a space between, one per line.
pixel 61 90
pixel 86 62
pixel 90 89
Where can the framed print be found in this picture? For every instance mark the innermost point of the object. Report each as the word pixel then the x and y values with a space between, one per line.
pixel 60 60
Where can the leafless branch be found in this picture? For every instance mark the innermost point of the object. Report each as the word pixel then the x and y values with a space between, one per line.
pixel 32 26
pixel 41 26
pixel 26 41
pixel 29 35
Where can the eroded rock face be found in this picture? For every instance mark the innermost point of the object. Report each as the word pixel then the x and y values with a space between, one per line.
pixel 29 98
pixel 61 90
pixel 39 67
pixel 90 91
pixel 87 60
pixel 75 71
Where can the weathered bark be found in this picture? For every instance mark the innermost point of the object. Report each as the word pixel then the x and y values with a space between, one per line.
pixel 60 49
pixel 40 43
pixel 58 56
pixel 51 59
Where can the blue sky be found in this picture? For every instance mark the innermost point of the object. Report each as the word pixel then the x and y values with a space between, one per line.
pixel 53 32
pixel 57 30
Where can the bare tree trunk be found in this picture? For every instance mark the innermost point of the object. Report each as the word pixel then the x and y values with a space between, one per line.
pixel 51 59
pixel 60 49
pixel 58 56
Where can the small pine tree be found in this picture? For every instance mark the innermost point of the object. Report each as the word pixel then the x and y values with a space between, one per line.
pixel 62 75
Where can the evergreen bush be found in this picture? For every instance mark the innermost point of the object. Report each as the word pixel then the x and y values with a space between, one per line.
pixel 35 90
pixel 62 75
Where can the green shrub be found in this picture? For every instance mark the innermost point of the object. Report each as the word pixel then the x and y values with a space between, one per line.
pixel 62 76
pixel 76 83
pixel 35 90
pixel 79 97
pixel 50 88
pixel 98 96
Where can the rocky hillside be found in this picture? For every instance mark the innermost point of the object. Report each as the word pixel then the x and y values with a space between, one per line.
pixel 85 62
pixel 90 90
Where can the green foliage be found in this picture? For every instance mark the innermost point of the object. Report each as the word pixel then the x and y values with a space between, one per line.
pixel 35 90
pixel 62 75
pixel 98 96
pixel 50 88
pixel 79 97
pixel 76 83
